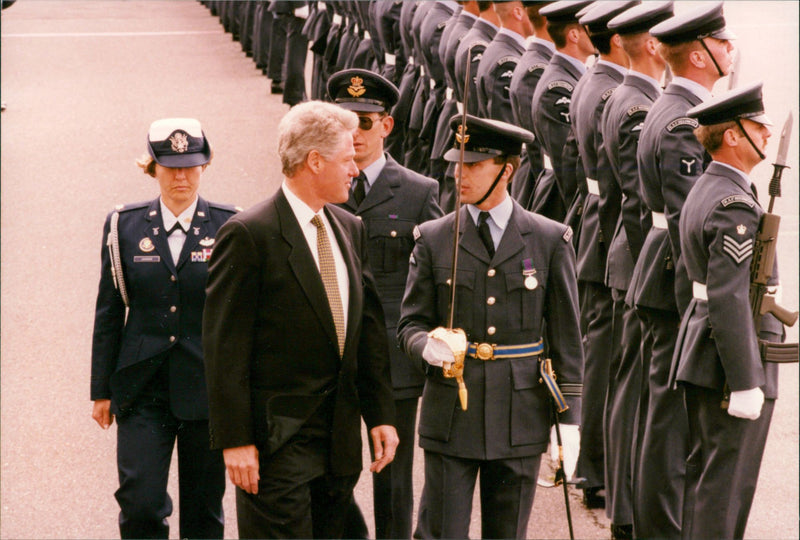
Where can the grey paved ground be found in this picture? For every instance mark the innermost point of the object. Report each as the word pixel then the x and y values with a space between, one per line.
pixel 83 80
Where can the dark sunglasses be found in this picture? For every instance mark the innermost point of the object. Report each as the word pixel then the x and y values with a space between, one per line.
pixel 365 122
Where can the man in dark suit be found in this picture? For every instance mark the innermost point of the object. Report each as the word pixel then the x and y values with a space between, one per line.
pixel 295 340
pixel 719 359
pixel 391 200
pixel 515 285
pixel 556 186
pixel 621 125
pixel 147 363
pixel 698 50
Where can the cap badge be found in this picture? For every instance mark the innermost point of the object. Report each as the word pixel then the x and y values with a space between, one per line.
pixel 356 88
pixel 180 142
pixel 461 134
pixel 146 245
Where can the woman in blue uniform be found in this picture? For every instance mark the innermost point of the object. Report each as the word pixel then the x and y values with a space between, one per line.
pixel 147 359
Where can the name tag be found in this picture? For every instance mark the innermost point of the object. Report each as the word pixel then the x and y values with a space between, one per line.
pixel 146 258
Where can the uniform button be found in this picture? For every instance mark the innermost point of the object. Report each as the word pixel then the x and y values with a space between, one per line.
pixel 491 330
pixel 491 272
pixel 173 309
pixel 171 339
pixel 490 300
pixel 173 278
pixel 393 234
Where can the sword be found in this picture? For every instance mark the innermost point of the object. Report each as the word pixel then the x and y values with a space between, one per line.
pixel 780 162
pixel 733 73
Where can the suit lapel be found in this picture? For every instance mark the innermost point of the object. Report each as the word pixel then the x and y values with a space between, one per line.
pixel 154 230
pixel 470 241
pixel 303 265
pixel 197 231
pixel 381 189
pixel 511 243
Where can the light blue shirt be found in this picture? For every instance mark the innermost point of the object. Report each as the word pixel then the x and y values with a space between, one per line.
pixel 372 172
pixel 574 61
pixel 500 215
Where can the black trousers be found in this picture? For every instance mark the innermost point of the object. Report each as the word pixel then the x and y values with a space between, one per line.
pixel 507 490
pixel 664 447
pixel 393 487
pixel 622 403
pixel 145 440
pixel 294 60
pixel 297 496
pixel 599 350
pixel 726 457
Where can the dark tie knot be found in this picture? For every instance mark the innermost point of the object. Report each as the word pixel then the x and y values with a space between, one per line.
pixel 360 188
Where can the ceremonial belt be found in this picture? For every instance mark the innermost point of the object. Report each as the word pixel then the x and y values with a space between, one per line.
pixel 659 220
pixel 593 186
pixel 770 352
pixel 490 351
pixel 390 59
pixel 448 93
pixel 547 163
pixel 460 107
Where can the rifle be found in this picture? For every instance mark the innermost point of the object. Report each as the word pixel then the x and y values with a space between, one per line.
pixel 762 298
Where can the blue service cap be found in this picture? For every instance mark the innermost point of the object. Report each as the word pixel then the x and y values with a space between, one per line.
pixel 362 90
pixel 743 102
pixel 178 142
pixel 596 17
pixel 485 138
pixel 705 21
pixel 641 18
pixel 563 11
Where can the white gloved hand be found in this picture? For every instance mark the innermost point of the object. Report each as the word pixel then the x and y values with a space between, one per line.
pixel 436 352
pixel 746 403
pixel 301 12
pixel 571 441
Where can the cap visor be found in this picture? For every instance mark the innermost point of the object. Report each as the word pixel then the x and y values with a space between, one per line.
pixel 723 34
pixel 762 119
pixel 179 161
pixel 454 155
pixel 358 106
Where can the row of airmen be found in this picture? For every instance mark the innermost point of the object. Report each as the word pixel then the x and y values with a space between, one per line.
pixel 612 154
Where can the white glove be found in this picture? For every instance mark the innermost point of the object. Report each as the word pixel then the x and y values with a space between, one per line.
pixel 437 352
pixel 746 403
pixel 571 441
pixel 301 12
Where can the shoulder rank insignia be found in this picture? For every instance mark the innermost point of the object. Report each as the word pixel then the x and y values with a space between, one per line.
pixel 567 236
pixel 119 207
pixel 607 94
pixel 560 84
pixel 416 232
pixel 741 229
pixel 638 108
pixel 733 199
pixel 675 124
pixel 738 251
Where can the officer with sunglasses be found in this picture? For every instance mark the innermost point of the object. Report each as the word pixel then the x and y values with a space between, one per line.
pixel 391 200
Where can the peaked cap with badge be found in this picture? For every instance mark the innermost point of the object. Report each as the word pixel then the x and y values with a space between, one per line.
pixel 641 18
pixel 702 22
pixel 362 90
pixel 178 143
pixel 741 103
pixel 485 139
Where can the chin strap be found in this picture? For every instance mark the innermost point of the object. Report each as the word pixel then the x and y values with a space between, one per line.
pixel 746 136
pixel 703 43
pixel 494 184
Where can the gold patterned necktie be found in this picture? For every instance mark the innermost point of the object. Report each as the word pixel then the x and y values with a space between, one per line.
pixel 327 270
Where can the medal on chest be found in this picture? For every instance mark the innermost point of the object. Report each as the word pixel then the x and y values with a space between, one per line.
pixel 528 271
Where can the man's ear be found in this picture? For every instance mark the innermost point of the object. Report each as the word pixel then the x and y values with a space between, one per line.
pixel 731 137
pixel 314 161
pixel 388 125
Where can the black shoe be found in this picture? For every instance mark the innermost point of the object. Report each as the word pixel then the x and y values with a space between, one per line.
pixel 621 532
pixel 594 497
pixel 276 87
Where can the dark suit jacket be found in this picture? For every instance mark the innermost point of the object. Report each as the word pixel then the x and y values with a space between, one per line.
pixel 398 200
pixel 272 359
pixel 494 74
pixel 166 306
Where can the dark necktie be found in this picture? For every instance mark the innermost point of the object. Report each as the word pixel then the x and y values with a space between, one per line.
pixel 327 270
pixel 484 233
pixel 359 191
